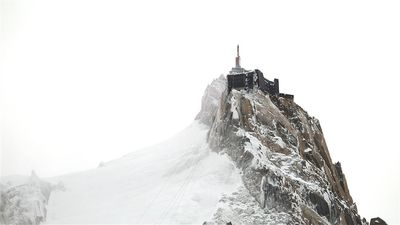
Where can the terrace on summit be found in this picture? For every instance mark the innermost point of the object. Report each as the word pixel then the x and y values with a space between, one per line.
pixel 240 78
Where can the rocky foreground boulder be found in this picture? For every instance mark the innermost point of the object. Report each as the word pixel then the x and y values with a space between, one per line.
pixel 287 171
pixel 24 203
pixel 377 221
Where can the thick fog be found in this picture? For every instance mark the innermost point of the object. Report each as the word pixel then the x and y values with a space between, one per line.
pixel 89 81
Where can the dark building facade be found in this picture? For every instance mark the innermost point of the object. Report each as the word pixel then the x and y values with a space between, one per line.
pixel 240 79
pixel 250 79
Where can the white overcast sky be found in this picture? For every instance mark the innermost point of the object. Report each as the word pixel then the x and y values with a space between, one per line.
pixel 89 81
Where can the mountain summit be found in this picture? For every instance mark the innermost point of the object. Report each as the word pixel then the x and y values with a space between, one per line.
pixel 287 173
pixel 252 156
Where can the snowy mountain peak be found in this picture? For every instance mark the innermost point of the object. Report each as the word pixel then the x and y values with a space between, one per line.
pixel 285 163
pixel 250 157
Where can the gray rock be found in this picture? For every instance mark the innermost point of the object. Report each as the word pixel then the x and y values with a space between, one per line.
pixel 284 159
pixel 25 203
pixel 377 221
pixel 211 100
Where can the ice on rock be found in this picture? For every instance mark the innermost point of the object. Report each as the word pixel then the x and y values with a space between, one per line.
pixel 24 203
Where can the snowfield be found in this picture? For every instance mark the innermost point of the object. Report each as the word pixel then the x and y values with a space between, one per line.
pixel 179 181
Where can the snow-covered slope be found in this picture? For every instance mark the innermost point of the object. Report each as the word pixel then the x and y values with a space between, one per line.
pixel 178 181
pixel 248 158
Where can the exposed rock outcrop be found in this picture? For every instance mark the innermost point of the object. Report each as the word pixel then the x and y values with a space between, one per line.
pixel 285 162
pixel 25 203
pixel 377 221
pixel 210 100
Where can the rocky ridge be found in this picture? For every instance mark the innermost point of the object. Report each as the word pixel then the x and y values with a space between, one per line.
pixel 285 163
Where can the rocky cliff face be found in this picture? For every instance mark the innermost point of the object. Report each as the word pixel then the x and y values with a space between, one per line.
pixel 285 162
pixel 211 100
pixel 24 203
